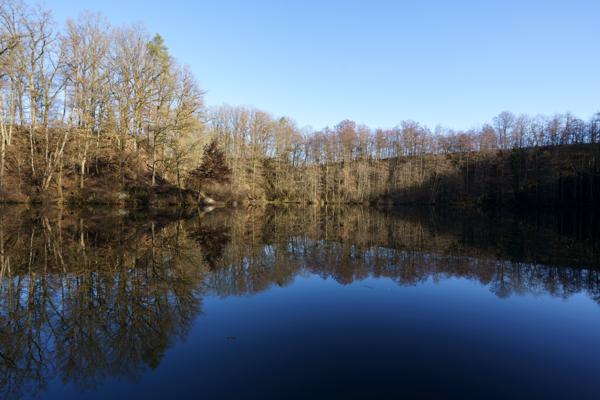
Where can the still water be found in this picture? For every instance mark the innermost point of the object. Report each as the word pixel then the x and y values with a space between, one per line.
pixel 298 303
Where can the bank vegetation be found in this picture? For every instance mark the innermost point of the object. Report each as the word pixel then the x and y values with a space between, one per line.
pixel 93 113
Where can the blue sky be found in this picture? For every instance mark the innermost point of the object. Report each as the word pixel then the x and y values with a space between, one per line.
pixel 456 63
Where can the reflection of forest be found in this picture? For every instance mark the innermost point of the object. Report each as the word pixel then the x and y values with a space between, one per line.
pixel 86 296
pixel 554 254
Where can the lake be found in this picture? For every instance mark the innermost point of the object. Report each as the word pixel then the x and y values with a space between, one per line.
pixel 299 302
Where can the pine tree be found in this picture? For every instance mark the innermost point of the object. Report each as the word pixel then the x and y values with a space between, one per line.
pixel 213 168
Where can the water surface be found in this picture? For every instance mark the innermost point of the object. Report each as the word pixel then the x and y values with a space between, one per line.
pixel 298 303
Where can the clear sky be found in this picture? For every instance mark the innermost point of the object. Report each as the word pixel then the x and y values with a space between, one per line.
pixel 456 63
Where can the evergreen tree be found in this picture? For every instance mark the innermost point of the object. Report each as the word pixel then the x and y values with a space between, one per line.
pixel 212 169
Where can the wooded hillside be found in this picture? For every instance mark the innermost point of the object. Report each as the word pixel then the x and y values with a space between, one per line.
pixel 516 160
pixel 90 106
pixel 91 113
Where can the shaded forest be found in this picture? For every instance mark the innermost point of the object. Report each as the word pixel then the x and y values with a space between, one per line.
pixel 93 113
pixel 89 295
pixel 536 162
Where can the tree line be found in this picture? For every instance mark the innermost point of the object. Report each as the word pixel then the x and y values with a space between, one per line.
pixel 87 94
pixel 90 107
pixel 271 158
pixel 254 132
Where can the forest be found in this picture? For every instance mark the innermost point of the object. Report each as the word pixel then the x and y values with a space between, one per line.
pixel 94 113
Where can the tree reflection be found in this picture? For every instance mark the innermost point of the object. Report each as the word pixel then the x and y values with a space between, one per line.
pixel 84 304
pixel 87 296
pixel 272 246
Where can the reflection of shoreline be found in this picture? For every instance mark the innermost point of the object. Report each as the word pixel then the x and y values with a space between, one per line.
pixel 407 268
pixel 87 297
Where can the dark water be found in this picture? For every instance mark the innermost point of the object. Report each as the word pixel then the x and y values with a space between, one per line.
pixel 298 303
